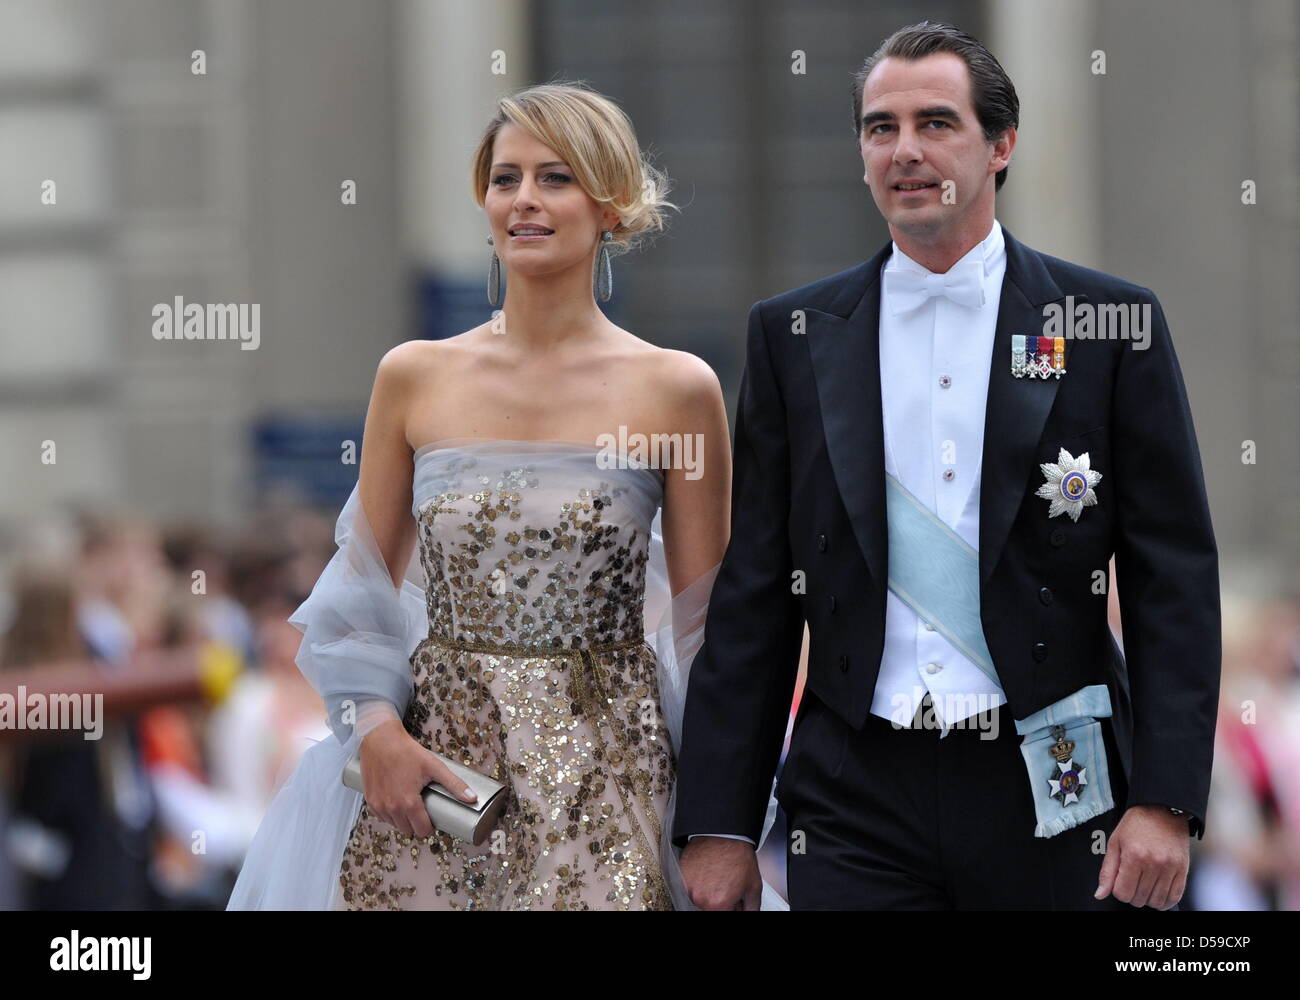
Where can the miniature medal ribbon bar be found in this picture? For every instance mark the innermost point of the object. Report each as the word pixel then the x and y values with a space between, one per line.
pixel 1037 357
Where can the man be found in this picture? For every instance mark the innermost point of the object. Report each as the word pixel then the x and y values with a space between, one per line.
pixel 933 474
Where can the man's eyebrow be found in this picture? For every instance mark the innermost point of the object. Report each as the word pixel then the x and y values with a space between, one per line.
pixel 540 166
pixel 936 111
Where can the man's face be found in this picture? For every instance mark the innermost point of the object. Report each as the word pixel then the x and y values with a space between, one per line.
pixel 919 127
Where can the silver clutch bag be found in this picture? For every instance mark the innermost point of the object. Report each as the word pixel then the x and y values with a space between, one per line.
pixel 469 821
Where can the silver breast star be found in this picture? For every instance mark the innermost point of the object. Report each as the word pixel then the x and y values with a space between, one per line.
pixel 1069 484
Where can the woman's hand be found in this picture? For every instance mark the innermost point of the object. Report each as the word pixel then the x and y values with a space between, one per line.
pixel 395 768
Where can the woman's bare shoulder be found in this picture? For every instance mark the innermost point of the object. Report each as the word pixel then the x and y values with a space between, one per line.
pixel 682 376
pixel 679 390
pixel 422 358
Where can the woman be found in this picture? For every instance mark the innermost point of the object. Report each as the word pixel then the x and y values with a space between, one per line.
pixel 526 608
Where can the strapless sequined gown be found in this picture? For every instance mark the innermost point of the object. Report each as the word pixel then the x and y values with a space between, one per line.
pixel 535 672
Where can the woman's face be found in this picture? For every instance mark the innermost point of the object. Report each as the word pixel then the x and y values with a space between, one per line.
pixel 530 186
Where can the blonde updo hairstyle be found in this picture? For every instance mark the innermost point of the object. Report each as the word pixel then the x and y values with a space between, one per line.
pixel 596 139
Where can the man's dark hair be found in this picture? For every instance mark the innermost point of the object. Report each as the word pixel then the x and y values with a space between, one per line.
pixel 992 93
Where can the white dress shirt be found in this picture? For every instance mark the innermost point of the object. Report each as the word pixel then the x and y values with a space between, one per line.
pixel 934 381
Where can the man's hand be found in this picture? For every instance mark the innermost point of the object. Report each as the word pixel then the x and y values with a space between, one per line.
pixel 1146 860
pixel 722 874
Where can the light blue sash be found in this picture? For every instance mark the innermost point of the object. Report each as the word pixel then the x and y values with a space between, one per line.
pixel 936 573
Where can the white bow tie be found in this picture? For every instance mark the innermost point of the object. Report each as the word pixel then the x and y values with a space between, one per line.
pixel 962 283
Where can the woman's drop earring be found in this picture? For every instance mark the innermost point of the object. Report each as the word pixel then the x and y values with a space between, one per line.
pixel 494 276
pixel 602 281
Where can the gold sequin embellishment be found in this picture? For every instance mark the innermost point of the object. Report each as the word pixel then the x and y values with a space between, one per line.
pixel 536 673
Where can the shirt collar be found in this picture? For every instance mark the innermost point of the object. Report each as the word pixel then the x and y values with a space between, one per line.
pixel 986 250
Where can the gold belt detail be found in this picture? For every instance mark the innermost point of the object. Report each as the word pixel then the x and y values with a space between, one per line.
pixel 590 688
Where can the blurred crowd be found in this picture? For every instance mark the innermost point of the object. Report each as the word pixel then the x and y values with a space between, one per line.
pixel 1249 858
pixel 157 812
